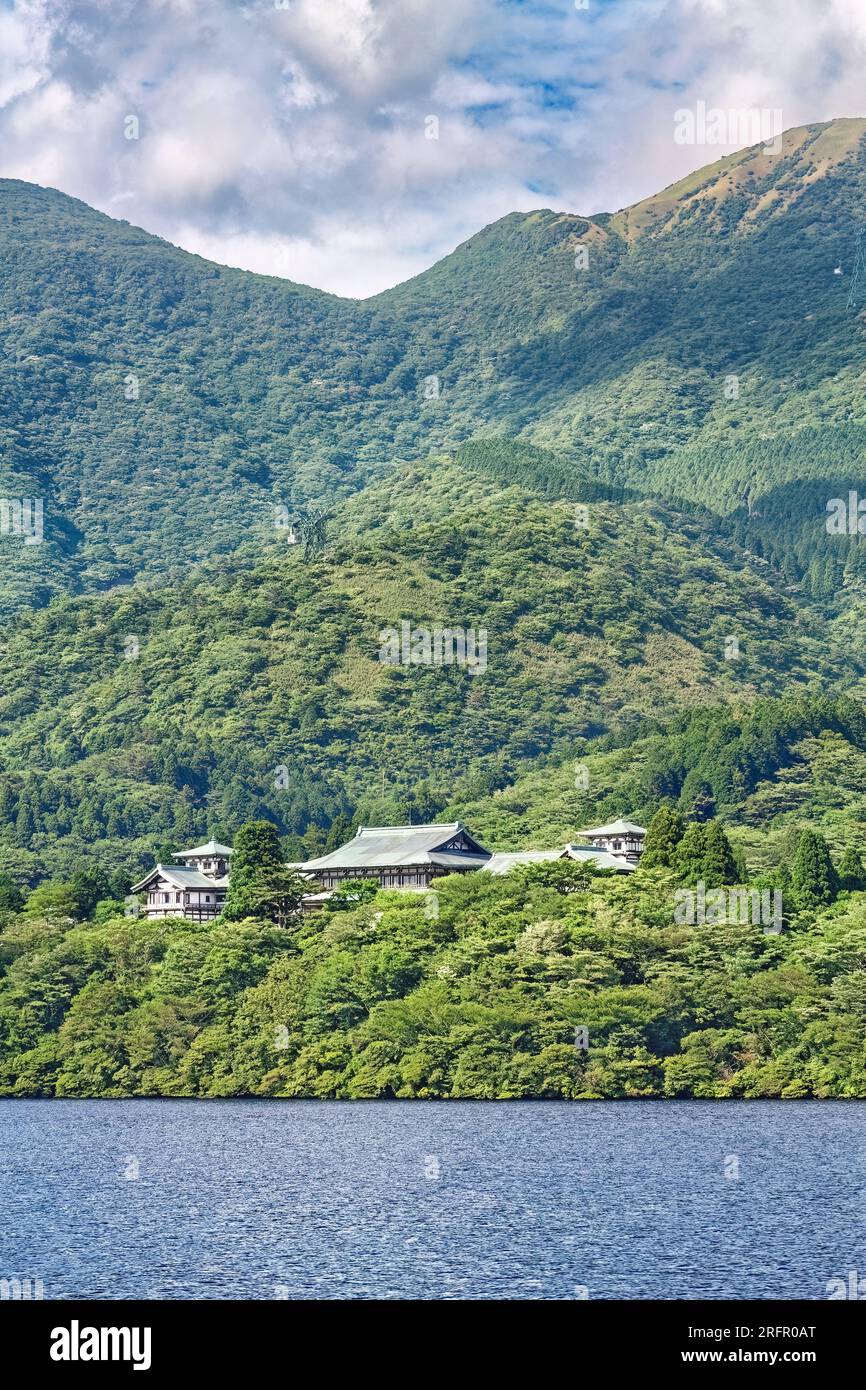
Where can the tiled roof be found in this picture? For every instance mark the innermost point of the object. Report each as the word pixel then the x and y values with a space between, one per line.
pixel 502 862
pixel 602 858
pixel 386 846
pixel 180 877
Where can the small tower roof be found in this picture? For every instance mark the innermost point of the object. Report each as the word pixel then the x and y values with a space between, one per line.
pixel 212 848
pixel 616 827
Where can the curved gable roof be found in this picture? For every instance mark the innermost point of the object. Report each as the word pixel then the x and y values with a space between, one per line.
pixel 179 877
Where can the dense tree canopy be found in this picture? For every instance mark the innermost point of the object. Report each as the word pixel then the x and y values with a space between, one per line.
pixel 478 999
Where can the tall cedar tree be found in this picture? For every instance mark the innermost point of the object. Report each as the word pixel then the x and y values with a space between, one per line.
pixel 704 855
pixel 260 885
pixel 666 829
pixel 814 880
pixel 851 870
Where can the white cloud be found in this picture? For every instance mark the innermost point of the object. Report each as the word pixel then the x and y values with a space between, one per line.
pixel 293 140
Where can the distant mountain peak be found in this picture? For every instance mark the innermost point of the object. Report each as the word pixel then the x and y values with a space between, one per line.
pixel 769 178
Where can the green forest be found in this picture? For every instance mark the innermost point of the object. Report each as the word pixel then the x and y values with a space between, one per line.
pixel 604 638
pixel 163 406
pixel 481 997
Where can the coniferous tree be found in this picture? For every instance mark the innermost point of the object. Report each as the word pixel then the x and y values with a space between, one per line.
pixel 814 880
pixel 89 885
pixel 260 885
pixel 720 866
pixel 851 870
pixel 25 821
pixel 689 859
pixel 666 829
pixel 339 832
pixel 705 855
pixel 8 805
pixel 11 897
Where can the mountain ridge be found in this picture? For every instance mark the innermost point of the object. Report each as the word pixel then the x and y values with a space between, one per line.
pixel 823 138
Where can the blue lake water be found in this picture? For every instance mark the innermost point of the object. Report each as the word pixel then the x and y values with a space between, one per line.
pixel 283 1199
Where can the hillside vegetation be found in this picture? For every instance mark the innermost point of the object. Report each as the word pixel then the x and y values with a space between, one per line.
pixel 616 466
pixel 145 718
pixel 480 1001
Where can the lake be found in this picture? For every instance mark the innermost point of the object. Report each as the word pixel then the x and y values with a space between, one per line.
pixel 169 1199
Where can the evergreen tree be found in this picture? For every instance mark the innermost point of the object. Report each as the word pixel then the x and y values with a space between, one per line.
pixel 11 897
pixel 666 829
pixel 720 866
pixel 851 870
pixel 259 884
pixel 90 885
pixel 339 832
pixel 814 880
pixel 8 805
pixel 28 809
pixel 689 859
pixel 704 855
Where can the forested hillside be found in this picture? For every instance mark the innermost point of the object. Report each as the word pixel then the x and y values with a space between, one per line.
pixel 146 717
pixel 483 1001
pixel 608 444
pixel 163 406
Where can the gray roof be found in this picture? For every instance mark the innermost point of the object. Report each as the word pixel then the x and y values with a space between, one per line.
pixel 387 846
pixel 212 850
pixel 616 827
pixel 602 858
pixel 500 863
pixel 180 877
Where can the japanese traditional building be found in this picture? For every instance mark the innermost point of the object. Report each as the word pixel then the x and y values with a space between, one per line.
pixel 400 856
pixel 195 889
pixel 397 856
pixel 621 837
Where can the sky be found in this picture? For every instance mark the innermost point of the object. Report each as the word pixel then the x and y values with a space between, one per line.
pixel 349 144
